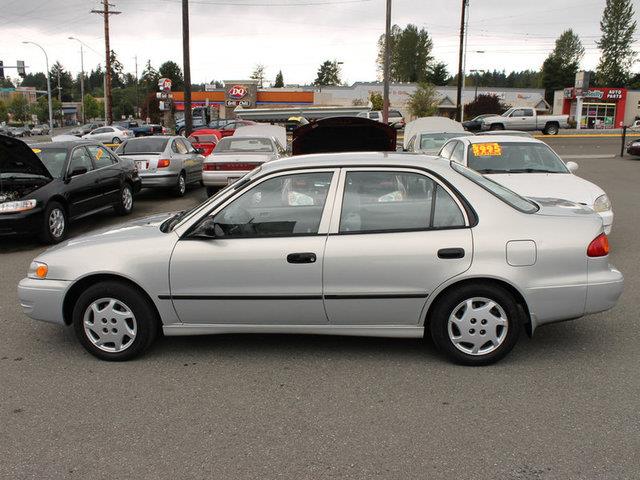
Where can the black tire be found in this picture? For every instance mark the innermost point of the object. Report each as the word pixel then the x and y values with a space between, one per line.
pixel 181 186
pixel 496 126
pixel 51 233
pixel 212 191
pixel 124 207
pixel 451 303
pixel 116 141
pixel 146 321
pixel 551 129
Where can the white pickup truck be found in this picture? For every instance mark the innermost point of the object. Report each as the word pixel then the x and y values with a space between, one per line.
pixel 523 118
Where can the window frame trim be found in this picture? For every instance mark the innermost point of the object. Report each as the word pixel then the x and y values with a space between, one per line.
pixel 334 227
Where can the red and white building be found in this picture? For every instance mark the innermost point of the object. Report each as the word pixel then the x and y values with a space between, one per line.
pixel 598 107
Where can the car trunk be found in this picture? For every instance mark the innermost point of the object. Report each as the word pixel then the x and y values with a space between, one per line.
pixel 235 161
pixel 144 162
pixel 343 134
pixel 21 171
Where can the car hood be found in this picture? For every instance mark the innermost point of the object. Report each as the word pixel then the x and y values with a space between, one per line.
pixel 240 157
pixel 17 157
pixel 550 185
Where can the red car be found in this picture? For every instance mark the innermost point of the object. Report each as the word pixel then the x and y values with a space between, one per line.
pixel 230 127
pixel 205 140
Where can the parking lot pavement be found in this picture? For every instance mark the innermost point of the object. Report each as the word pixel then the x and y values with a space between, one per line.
pixel 563 405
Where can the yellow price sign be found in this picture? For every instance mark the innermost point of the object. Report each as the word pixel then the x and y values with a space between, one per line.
pixel 36 150
pixel 486 149
pixel 99 154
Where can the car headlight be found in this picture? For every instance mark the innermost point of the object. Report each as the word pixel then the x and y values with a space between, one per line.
pixel 19 206
pixel 602 204
pixel 38 270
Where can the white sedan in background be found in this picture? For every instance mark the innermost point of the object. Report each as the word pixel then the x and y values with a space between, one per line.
pixel 529 167
pixel 109 134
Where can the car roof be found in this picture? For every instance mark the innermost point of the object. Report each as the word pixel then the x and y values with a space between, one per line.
pixel 359 159
pixel 66 144
pixel 499 138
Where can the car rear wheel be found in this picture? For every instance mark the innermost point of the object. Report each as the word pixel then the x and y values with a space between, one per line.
pixel 114 322
pixel 181 187
pixel 476 324
pixel 125 200
pixel 55 223
pixel 551 129
pixel 116 141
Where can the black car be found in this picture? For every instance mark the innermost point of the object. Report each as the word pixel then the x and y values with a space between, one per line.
pixel 45 186
pixel 475 124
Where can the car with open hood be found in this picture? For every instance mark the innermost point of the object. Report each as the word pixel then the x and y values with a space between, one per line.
pixel 377 244
pixel 43 187
pixel 529 167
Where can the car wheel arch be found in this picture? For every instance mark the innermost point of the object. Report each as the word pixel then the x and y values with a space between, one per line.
pixel 75 290
pixel 445 288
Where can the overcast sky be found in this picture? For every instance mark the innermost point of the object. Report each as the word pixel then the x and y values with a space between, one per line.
pixel 228 37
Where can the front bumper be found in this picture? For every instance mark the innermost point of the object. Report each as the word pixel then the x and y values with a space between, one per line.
pixel 158 179
pixel 22 223
pixel 42 299
pixel 221 178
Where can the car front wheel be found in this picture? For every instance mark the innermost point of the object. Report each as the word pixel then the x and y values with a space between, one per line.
pixel 114 322
pixel 476 324
pixel 55 223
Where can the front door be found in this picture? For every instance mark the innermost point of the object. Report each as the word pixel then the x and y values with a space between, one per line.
pixel 399 235
pixel 263 264
pixel 83 189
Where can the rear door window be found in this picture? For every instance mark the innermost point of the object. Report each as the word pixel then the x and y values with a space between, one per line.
pixel 101 156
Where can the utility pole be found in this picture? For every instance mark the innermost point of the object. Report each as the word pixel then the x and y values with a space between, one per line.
pixel 188 118
pixel 387 65
pixel 137 115
pixel 460 61
pixel 105 12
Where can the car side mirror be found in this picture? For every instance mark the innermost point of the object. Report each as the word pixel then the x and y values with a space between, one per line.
pixel 208 229
pixel 572 166
pixel 78 171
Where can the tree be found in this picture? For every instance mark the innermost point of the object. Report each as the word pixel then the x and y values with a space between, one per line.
pixel 63 79
pixel 410 54
pixel 437 73
pixel 560 67
pixel 6 83
pixel 149 78
pixel 117 71
pixel 40 109
pixel 92 108
pixel 19 107
pixel 424 101
pixel 484 104
pixel 328 74
pixel 95 83
pixel 279 83
pixel 616 44
pixel 38 80
pixel 3 112
pixel 376 100
pixel 258 74
pixel 173 71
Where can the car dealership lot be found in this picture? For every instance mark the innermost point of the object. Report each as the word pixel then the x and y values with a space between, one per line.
pixel 562 405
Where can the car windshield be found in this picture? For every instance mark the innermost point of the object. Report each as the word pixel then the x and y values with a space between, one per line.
pixel 244 144
pixel 514 157
pixel 143 145
pixel 503 193
pixel 435 141
pixel 52 158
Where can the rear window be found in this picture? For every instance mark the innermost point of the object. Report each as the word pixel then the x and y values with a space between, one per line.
pixel 244 144
pixel 507 196
pixel 435 141
pixel 143 145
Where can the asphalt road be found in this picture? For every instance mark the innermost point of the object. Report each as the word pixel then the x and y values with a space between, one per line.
pixel 563 405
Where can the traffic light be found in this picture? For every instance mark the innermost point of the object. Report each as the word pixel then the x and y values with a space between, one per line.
pixel 1 70
pixel 21 71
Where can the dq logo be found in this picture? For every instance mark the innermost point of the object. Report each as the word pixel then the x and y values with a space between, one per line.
pixel 237 92
pixel 164 84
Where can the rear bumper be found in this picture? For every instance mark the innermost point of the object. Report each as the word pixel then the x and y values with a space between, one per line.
pixel 42 299
pixel 603 290
pixel 221 178
pixel 158 180
pixel 22 223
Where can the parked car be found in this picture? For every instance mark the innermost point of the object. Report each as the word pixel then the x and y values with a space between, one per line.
pixel 294 122
pixel 41 129
pixel 164 162
pixel 234 157
pixel 530 168
pixel 502 133
pixel 635 126
pixel 431 142
pixel 21 131
pixel 523 118
pixel 5 130
pixel 205 140
pixel 86 128
pixel 46 186
pixel 633 148
pixel 140 129
pixel 218 123
pixel 229 128
pixel 395 117
pixel 110 134
pixel 368 244
pixel 475 124
pixel 430 124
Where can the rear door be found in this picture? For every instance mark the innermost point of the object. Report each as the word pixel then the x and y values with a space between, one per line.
pixel 192 161
pixel 399 234
pixel 111 174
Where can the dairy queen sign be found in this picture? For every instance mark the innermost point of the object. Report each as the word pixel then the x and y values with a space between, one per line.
pixel 236 96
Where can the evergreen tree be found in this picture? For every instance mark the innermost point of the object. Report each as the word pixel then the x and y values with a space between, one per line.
pixel 61 83
pixel 149 78
pixel 37 80
pixel 173 71
pixel 328 74
pixel 616 44
pixel 437 73
pixel 560 67
pixel 410 54
pixel 279 83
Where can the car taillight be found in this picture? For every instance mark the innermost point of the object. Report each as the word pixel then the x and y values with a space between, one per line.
pixel 208 167
pixel 599 247
pixel 163 163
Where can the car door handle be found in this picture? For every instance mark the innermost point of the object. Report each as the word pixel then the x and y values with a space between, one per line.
pixel 305 257
pixel 451 253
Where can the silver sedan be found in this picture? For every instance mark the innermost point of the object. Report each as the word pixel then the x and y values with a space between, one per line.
pixel 164 162
pixel 374 244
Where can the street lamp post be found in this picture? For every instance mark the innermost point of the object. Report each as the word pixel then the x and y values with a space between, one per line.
pixel 46 59
pixel 81 80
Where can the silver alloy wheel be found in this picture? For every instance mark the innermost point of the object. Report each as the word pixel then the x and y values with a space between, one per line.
pixel 182 184
pixel 110 325
pixel 127 198
pixel 478 326
pixel 56 222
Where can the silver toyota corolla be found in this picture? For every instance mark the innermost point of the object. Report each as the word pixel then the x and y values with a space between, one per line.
pixel 374 244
